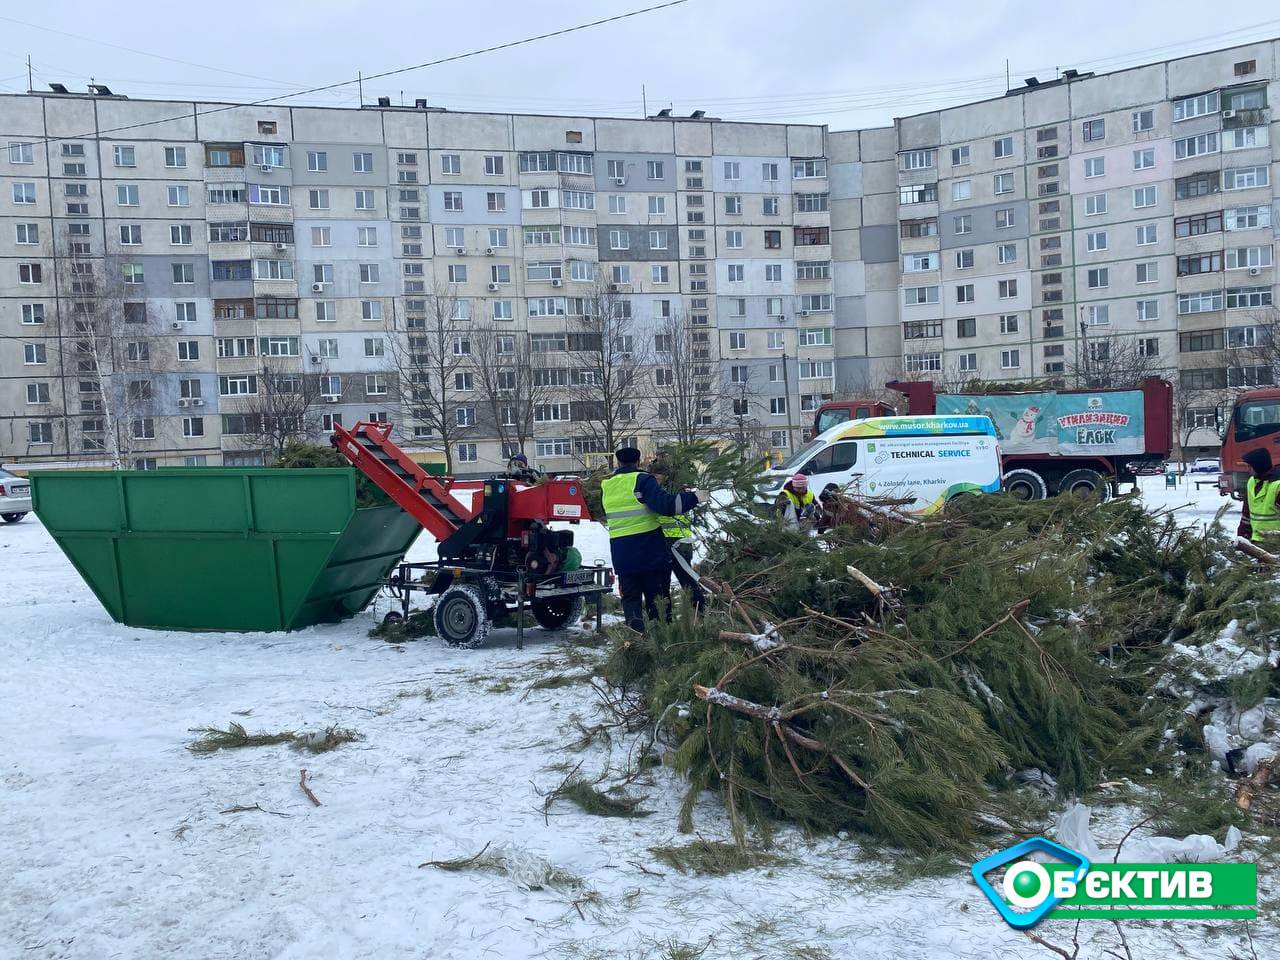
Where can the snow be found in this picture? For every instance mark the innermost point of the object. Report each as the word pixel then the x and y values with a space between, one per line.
pixel 117 843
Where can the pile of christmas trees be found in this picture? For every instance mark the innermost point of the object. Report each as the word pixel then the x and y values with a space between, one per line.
pixel 887 677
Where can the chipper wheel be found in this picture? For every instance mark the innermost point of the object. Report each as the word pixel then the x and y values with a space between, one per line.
pixel 556 613
pixel 462 616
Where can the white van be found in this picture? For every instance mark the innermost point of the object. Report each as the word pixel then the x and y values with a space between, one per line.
pixel 926 459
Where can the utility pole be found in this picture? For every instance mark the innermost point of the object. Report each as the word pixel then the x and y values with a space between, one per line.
pixel 786 394
pixel 360 85
pixel 30 84
pixel 644 102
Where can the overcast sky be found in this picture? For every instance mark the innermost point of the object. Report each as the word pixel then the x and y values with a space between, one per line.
pixel 848 64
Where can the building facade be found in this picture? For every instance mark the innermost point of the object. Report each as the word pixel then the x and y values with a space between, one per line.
pixel 164 265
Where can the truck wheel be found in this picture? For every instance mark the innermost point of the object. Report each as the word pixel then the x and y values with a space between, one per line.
pixel 556 613
pixel 12 517
pixel 1085 483
pixel 462 617
pixel 1025 484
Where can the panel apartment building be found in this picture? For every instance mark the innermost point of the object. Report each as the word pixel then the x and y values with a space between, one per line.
pixel 1000 240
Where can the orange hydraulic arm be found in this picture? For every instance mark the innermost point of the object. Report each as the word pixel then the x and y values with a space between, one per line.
pixel 426 498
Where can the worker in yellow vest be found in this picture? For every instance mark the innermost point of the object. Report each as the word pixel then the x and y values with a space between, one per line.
pixel 796 503
pixel 634 503
pixel 679 533
pixel 1260 514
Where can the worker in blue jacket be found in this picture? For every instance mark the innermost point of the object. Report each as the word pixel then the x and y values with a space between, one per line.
pixel 633 502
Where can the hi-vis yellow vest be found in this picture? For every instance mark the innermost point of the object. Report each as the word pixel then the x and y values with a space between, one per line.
pixel 624 513
pixel 797 501
pixel 676 528
pixel 1263 515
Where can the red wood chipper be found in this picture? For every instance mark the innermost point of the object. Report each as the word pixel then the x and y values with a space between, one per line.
pixel 497 554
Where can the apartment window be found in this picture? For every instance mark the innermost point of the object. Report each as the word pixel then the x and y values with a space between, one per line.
pixel 1009 323
pixel 1098 278
pixel 1143 120
pixel 457 272
pixel 1144 197
pixel 738 307
pixel 1004 218
pixel 124 156
pixel 1196 106
pixel 369 273
pixel 1247 218
pixel 1010 359
pixel 920 193
pixel 655 169
pixel 494 165
pixel 375 385
pixel 362 162
pixel 1245 178
pixel 1097 241
pixel 30 273
pixel 733 205
pixel 1008 289
pixel 453 200
pixel 1144 159
pixel 1148 309
pixel 1095 204
pixel 919 262
pixel 186 272
pixel 1196 146
pixel 812 202
pixel 737 340
pixel 1002 147
pixel 451 164
pixel 1094 130
pixel 370 309
pixel 126 195
pixel 962 190
pixel 454 238
pixel 778 406
pixel 1248 297
pixel 813 269
pixel 34 354
pixel 964 259
pixel 364 200
pixel 917 160
pixel 967 327
pixel 503 310
pixel 1209 301
pixel 33 313
pixel 964 293
pixel 807 169
pixel 268 196
pixel 1240 258
pixel 1245 138
pixel 1003 183
pixel 923 362
pixel 963 224
pixel 773 239
pixel 1148 271
pixel 22 153
pixel 1095 167
pixel 318 199
pixel 769 207
pixel 1007 253
pixel 657 240
pixel 180 235
pixel 1146 234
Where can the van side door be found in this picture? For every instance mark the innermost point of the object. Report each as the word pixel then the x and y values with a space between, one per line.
pixel 834 464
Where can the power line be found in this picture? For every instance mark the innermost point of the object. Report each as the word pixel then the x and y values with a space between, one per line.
pixel 376 76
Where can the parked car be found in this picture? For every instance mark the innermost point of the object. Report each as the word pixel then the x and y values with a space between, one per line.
pixel 1206 465
pixel 15 497
pixel 1153 468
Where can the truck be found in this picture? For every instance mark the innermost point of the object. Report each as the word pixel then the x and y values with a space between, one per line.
pixel 1254 422
pixel 1081 442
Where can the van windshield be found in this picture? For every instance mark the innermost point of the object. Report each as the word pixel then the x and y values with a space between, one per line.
pixel 800 456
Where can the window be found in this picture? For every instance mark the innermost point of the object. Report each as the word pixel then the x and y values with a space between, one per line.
pixel 33 313
pixel 959 156
pixel 369 273
pixel 963 224
pixel 1008 289
pixel 967 327
pixel 807 169
pixel 1095 167
pixel 1148 309
pixel 964 293
pixel 917 160
pixel 1148 271
pixel 923 362
pixel 268 195
pixel 1248 297
pixel 450 164
pixel 812 202
pixel 503 310
pixel 770 207
pixel 30 273
pixel 1143 120
pixel 457 272
pixel 661 273
pixel 362 162
pixel 1098 278
pixel 1247 218
pixel 1003 183
pixel 1196 106
pixel 656 169
pixel 1207 302
pixel 1009 323
pixel 375 385
pixel 962 190
pixel 186 272
pixel 915 296
pixel 817 369
pixel 1007 253
pixel 1004 218
pixel 737 340
pixel 1239 258
pixel 126 195
pixel 1002 147
pixel 733 205
pixel 34 354
pixel 318 200
pixel 22 153
pixel 1095 204
pixel 921 193
pixel 1094 130
pixel 494 165
pixel 1195 146
pixel 1245 138
pixel 1146 234
pixel 736 273
pixel 364 200
pixel 1144 159
pixel 1096 241
pixel 1144 197
pixel 657 240
pixel 370 309
pixel 778 406
pixel 1011 359
pixel 815 336
pixel 180 235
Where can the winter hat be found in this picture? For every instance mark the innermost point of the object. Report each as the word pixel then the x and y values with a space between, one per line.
pixel 800 482
pixel 1259 461
pixel 627 455
pixel 520 458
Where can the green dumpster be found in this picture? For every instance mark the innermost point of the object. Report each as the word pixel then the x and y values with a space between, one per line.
pixel 223 548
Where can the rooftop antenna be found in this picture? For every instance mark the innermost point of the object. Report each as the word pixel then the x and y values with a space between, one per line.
pixel 30 85
pixel 360 84
pixel 644 102
pixel 1007 83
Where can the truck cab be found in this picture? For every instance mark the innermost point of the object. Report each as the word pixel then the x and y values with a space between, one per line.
pixel 835 412
pixel 1254 422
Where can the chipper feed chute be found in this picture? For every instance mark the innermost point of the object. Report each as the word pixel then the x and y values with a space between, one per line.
pixel 223 548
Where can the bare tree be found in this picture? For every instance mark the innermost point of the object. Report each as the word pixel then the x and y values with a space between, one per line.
pixel 609 364
pixel 1112 361
pixel 508 384
pixel 742 409
pixel 425 360
pixel 112 335
pixel 686 387
pixel 284 410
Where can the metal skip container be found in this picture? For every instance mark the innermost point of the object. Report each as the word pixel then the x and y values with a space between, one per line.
pixel 223 548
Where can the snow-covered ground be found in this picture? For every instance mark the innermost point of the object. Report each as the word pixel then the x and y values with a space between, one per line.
pixel 116 840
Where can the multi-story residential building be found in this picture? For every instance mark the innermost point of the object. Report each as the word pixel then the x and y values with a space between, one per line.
pixel 172 273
